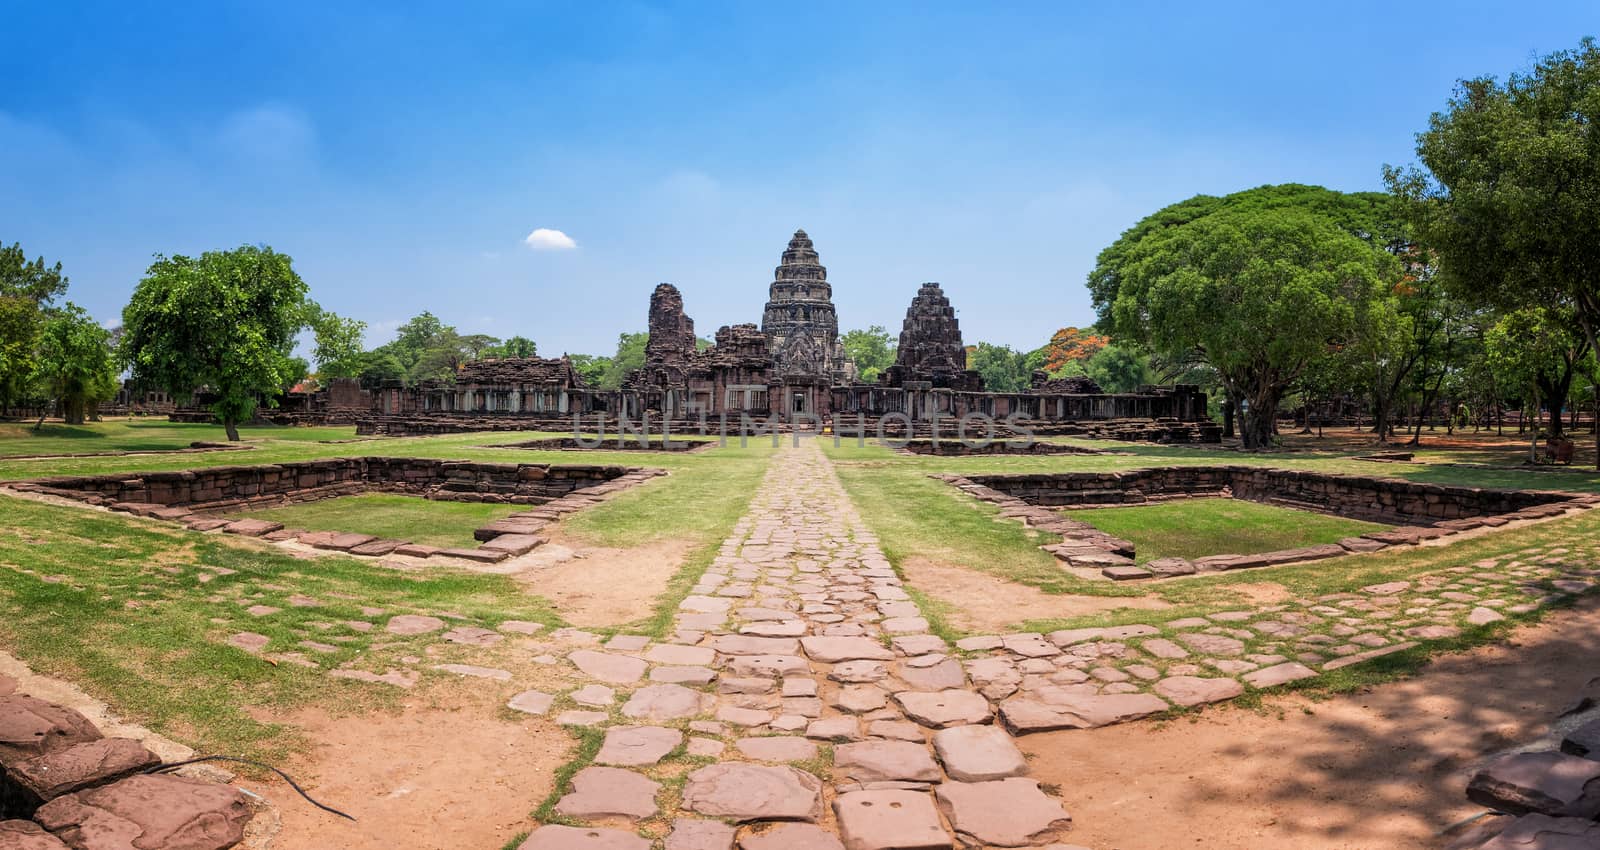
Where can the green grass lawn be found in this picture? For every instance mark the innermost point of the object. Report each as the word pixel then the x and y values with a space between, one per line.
pixel 126 615
pixel 143 435
pixel 138 613
pixel 412 518
pixel 119 606
pixel 1194 528
pixel 919 517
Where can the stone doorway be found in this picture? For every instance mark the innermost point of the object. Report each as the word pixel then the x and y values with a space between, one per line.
pixel 799 404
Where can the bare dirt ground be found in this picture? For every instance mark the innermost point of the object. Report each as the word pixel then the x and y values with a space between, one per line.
pixel 430 778
pixel 978 602
pixel 602 586
pixel 1383 768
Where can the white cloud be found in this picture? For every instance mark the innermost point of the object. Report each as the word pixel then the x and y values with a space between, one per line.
pixel 546 239
pixel 268 133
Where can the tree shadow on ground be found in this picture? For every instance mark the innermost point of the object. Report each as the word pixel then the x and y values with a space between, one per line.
pixel 1384 766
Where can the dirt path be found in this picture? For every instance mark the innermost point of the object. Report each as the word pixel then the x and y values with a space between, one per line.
pixel 600 586
pixel 979 602
pixel 1384 768
pixel 427 779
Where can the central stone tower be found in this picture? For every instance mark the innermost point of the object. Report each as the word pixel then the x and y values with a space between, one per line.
pixel 801 327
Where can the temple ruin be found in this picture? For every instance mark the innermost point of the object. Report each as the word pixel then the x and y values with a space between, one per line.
pixel 930 348
pixel 793 367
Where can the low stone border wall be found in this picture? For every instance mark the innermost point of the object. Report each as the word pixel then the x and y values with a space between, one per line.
pixel 194 497
pixel 232 487
pixel 1168 431
pixel 65 783
pixel 1391 501
pixel 418 425
pixel 1420 511
pixel 957 448
pixel 610 443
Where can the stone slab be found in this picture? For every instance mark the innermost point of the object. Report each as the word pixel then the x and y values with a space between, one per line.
pixel 880 761
pixel 790 836
pixel 1548 783
pixel 978 753
pixel 27 835
pixel 554 837
pixel 1542 832
pixel 746 792
pixel 608 667
pixel 1007 813
pixel 831 650
pixel 1194 690
pixel 162 810
pixel 607 792
pixel 1022 715
pixel 890 820
pixel 938 709
pixel 67 769
pixel 636 746
pixel 777 748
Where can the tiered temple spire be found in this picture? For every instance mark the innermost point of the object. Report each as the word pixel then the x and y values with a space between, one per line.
pixel 800 323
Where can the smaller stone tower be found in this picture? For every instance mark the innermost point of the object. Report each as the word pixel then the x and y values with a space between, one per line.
pixel 671 344
pixel 930 346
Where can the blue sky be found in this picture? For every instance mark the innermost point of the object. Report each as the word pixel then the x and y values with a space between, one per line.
pixel 402 152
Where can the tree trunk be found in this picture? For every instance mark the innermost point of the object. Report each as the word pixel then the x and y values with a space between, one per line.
pixel 1227 417
pixel 1256 429
pixel 1259 422
pixel 231 427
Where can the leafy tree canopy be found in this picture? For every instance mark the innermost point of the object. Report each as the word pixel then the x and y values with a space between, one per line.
pixel 27 289
pixel 1069 349
pixel 225 321
pixel 75 363
pixel 1003 369
pixel 1257 284
pixel 516 346
pixel 1119 369
pixel 590 367
pixel 872 350
pixel 1536 353
pixel 337 351
pixel 1509 190
pixel 629 356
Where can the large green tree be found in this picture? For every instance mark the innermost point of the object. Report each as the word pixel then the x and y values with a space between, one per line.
pixel 591 368
pixel 427 349
pixel 1118 369
pixel 516 346
pixel 1256 284
pixel 337 351
pixel 1004 370
pixel 75 364
pixel 872 350
pixel 1538 353
pixel 27 289
pixel 225 322
pixel 1508 196
pixel 629 356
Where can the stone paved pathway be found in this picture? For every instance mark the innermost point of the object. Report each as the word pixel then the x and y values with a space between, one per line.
pixel 800 639
pixel 801 702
